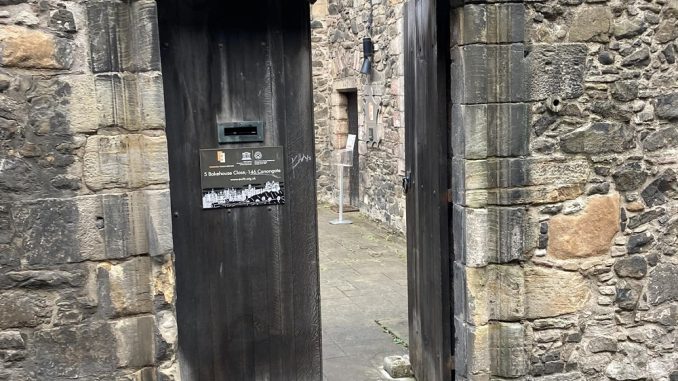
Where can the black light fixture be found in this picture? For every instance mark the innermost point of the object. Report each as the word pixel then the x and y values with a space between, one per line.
pixel 368 53
pixel 368 46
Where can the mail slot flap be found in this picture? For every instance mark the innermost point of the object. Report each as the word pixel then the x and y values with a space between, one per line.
pixel 240 132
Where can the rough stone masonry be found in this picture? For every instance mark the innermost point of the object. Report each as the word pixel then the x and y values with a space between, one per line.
pixel 86 269
pixel 338 27
pixel 565 142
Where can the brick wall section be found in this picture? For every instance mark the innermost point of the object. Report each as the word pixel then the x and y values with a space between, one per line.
pixel 86 269
pixel 565 148
pixel 338 27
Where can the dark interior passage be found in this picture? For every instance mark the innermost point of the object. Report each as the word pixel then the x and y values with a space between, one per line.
pixel 354 171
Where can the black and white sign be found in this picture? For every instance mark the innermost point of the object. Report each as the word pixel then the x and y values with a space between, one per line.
pixel 242 177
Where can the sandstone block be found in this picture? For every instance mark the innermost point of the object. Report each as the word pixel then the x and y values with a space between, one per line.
pixel 591 24
pixel 519 196
pixel 479 183
pixel 132 101
pixel 588 233
pixel 135 339
pixel 32 49
pixel 44 242
pixel 82 351
pixel 488 23
pixel 556 70
pixel 477 346
pixel 510 173
pixel 158 222
pixel 550 292
pixel 112 226
pixel 125 161
pixel 495 292
pixel 494 130
pixel 492 235
pixel 508 354
pixel 128 286
pixel 123 36
pixel 488 74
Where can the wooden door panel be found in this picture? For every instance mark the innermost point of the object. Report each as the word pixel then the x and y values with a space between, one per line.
pixel 247 278
pixel 426 103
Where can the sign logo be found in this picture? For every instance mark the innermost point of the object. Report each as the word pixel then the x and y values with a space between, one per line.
pixel 258 155
pixel 221 156
pixel 246 156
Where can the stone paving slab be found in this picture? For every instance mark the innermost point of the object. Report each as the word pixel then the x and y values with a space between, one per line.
pixel 363 281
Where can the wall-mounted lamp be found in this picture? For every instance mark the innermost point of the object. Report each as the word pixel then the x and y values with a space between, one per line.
pixel 368 53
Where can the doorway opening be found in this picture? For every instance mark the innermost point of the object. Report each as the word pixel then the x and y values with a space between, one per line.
pixel 353 185
pixel 363 265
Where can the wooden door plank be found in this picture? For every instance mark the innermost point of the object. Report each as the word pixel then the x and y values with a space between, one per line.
pixel 247 280
pixel 426 69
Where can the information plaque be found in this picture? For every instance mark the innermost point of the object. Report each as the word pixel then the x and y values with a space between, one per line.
pixel 242 177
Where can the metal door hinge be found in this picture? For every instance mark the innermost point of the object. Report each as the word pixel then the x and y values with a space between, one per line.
pixel 407 182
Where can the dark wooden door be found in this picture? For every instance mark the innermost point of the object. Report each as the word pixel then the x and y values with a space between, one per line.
pixel 247 278
pixel 354 171
pixel 428 246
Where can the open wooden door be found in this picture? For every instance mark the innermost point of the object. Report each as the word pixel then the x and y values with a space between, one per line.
pixel 247 277
pixel 428 242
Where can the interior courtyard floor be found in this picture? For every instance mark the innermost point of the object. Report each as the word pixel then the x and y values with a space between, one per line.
pixel 363 285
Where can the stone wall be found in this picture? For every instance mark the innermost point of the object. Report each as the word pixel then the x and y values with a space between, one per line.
pixel 86 269
pixel 338 27
pixel 565 135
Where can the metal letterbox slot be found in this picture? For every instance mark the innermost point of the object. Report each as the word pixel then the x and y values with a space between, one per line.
pixel 240 132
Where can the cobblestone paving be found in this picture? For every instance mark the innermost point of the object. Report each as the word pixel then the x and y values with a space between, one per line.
pixel 363 280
